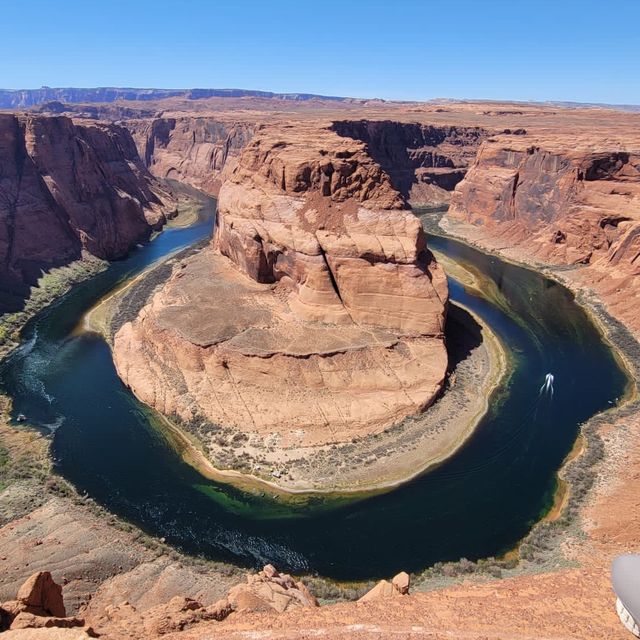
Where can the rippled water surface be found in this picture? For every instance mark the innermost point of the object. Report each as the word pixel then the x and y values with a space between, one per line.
pixel 477 504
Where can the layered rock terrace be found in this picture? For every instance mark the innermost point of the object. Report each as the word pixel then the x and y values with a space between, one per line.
pixel 564 202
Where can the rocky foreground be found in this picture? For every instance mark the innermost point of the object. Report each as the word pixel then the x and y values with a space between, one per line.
pixel 564 201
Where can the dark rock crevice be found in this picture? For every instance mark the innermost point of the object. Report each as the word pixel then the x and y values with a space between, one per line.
pixel 423 162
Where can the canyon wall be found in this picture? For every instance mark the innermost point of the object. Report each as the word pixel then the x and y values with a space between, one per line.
pixel 565 204
pixel 424 162
pixel 318 210
pixel 190 149
pixel 561 201
pixel 318 315
pixel 66 190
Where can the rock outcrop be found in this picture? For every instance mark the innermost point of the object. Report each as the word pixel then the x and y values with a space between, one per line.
pixel 267 591
pixel 399 586
pixel 562 202
pixel 38 605
pixel 67 190
pixel 567 204
pixel 319 314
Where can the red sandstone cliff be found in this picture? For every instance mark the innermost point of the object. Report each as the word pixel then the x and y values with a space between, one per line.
pixel 424 162
pixel 565 203
pixel 66 189
pixel 562 201
pixel 316 210
pixel 191 149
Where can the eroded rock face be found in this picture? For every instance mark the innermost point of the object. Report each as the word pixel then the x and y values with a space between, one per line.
pixel 190 149
pixel 66 189
pixel 424 162
pixel 317 316
pixel 565 203
pixel 562 201
pixel 317 213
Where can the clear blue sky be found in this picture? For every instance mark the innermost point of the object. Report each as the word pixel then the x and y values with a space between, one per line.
pixel 583 50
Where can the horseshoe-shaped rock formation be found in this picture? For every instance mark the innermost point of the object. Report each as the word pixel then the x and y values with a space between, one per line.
pixel 316 316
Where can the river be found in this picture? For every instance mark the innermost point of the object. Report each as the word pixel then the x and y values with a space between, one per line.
pixel 477 504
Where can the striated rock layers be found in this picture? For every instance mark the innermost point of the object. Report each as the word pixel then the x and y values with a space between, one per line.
pixel 425 162
pixel 67 189
pixel 562 201
pixel 568 204
pixel 190 149
pixel 317 316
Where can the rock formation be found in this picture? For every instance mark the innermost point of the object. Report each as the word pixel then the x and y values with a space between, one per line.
pixel 567 204
pixel 561 201
pixel 399 586
pixel 319 314
pixel 266 591
pixel 551 210
pixel 269 590
pixel 424 162
pixel 67 189
pixel 190 149
pixel 38 604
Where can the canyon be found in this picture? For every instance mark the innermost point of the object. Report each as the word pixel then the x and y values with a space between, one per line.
pixel 314 233
pixel 566 201
pixel 69 190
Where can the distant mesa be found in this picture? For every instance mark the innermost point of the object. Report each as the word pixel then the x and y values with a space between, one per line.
pixel 25 98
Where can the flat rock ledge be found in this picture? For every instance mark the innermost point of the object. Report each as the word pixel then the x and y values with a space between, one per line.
pixel 253 366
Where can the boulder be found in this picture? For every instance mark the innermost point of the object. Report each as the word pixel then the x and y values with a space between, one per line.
pixel 41 593
pixel 399 586
pixel 270 590
pixel 401 582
